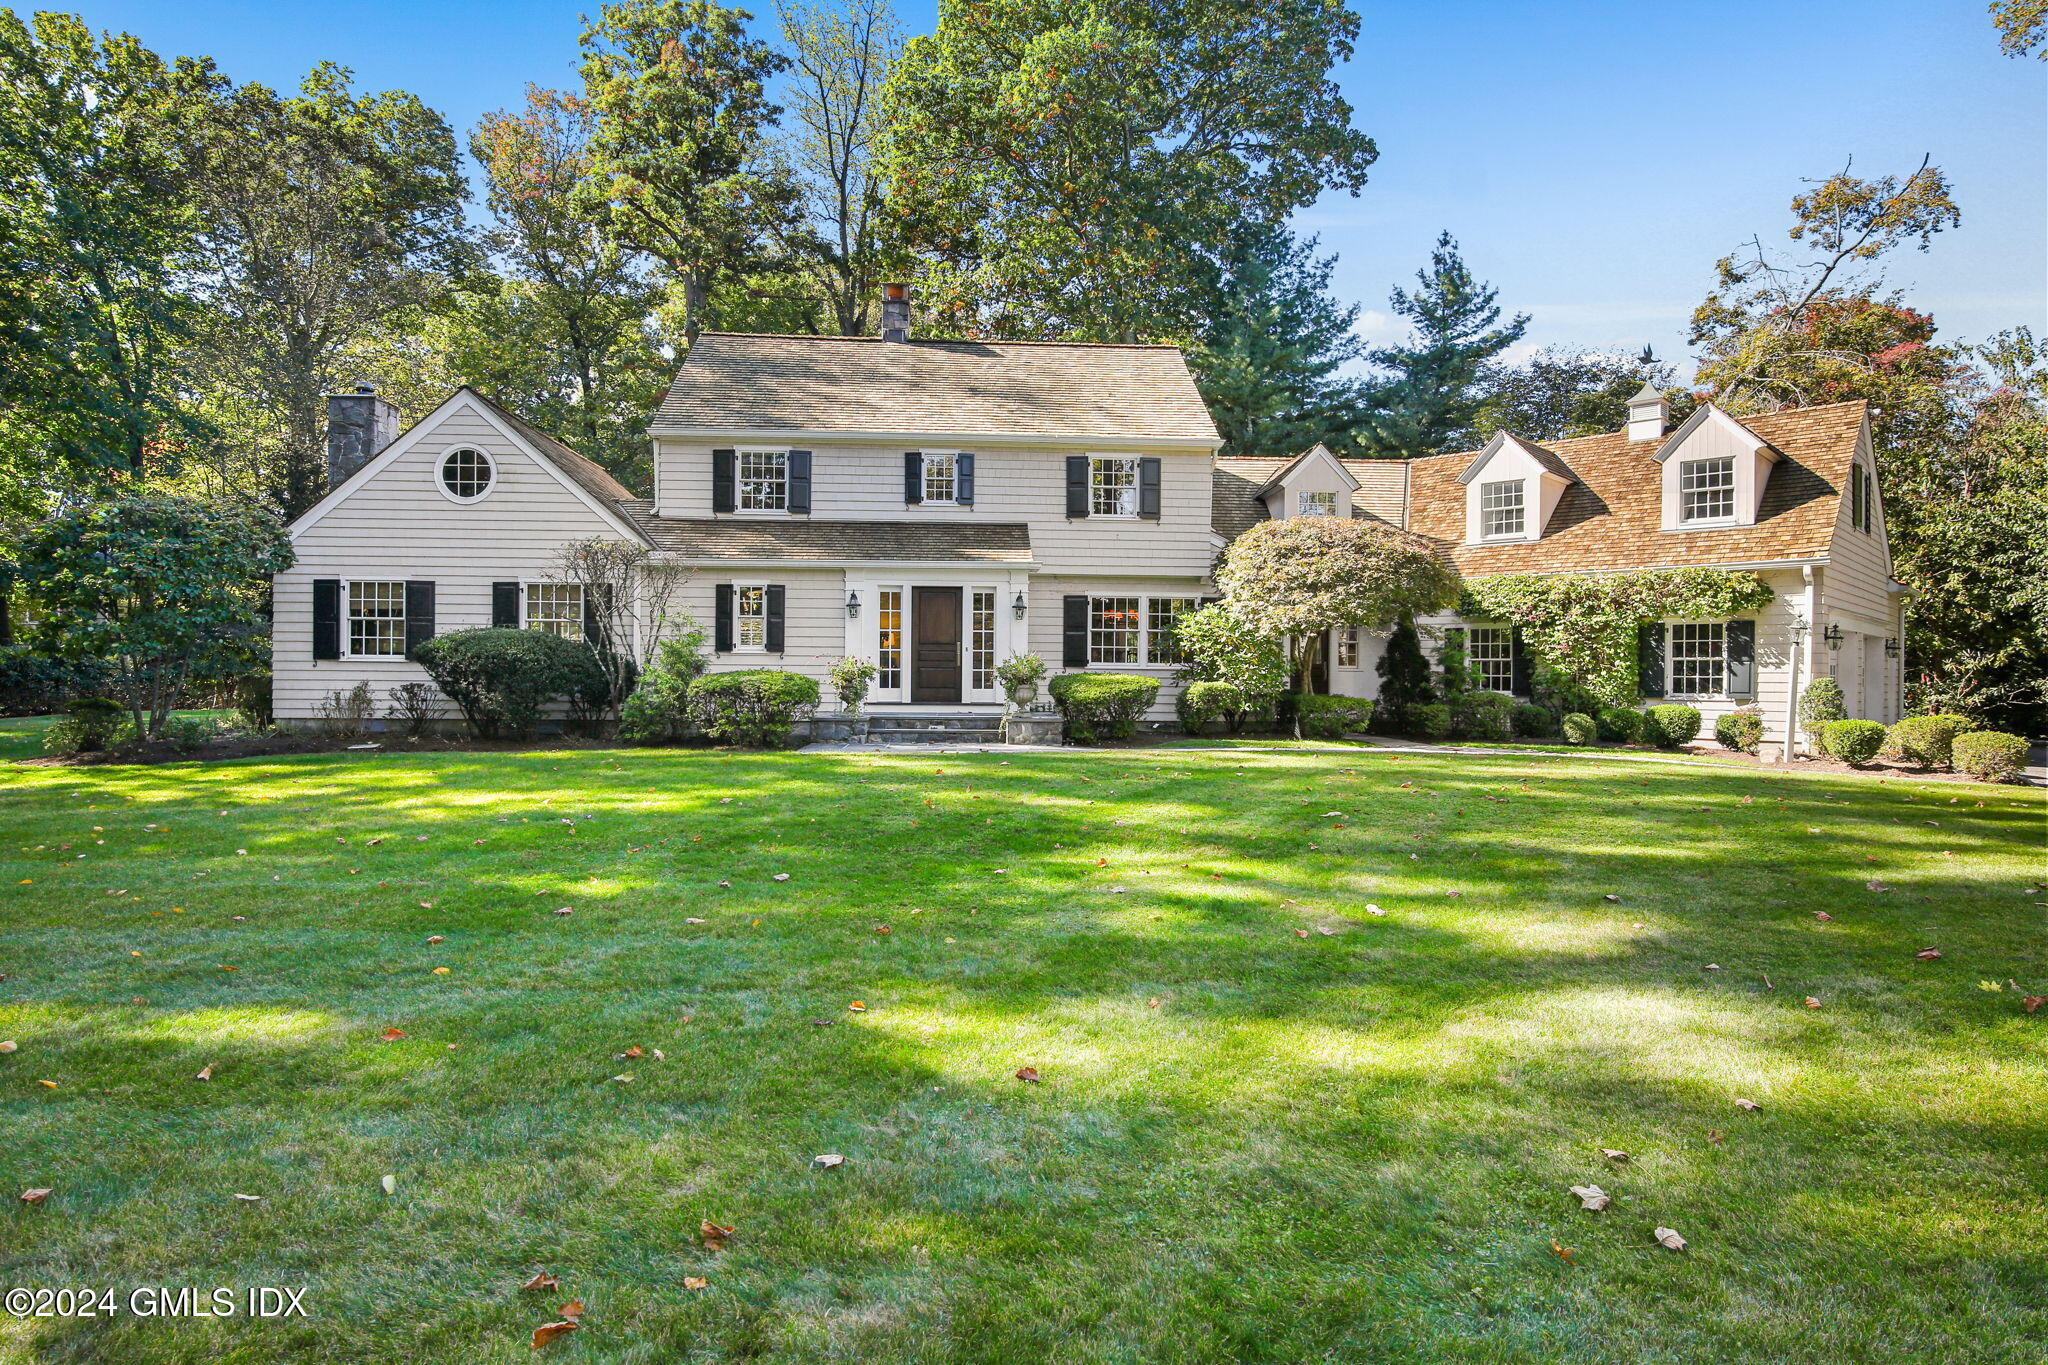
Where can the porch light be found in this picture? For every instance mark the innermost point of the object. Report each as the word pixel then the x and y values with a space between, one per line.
pixel 1833 635
pixel 1891 646
pixel 852 605
pixel 1017 606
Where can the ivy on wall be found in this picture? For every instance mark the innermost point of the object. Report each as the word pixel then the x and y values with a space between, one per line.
pixel 1584 625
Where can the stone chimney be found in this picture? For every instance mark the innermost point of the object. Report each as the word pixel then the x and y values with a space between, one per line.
pixel 359 425
pixel 1647 413
pixel 895 312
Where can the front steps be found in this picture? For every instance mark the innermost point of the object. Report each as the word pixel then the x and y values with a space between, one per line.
pixel 886 727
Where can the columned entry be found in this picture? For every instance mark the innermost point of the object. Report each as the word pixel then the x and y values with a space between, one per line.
pixel 935 645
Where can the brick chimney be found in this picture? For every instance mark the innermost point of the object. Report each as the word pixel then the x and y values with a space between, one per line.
pixel 895 312
pixel 1647 413
pixel 359 425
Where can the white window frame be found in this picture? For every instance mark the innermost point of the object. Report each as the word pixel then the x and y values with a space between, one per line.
pixel 1158 639
pixel 1146 641
pixel 741 618
pixel 952 477
pixel 1719 633
pixel 1686 470
pixel 1098 633
pixel 1520 508
pixel 441 475
pixel 1313 499
pixel 884 665
pixel 1499 656
pixel 1099 490
pixel 531 593
pixel 984 626
pixel 778 480
pixel 349 618
pixel 1347 647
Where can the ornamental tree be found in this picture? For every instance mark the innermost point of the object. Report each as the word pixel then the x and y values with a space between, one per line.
pixel 1219 645
pixel 157 586
pixel 1296 579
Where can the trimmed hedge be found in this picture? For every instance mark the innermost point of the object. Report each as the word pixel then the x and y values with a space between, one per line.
pixel 1580 728
pixel 1852 741
pixel 754 708
pixel 1620 725
pixel 1991 755
pixel 1927 740
pixel 1332 717
pixel 1430 720
pixel 1672 726
pixel 1202 702
pixel 1741 730
pixel 1483 716
pixel 34 684
pixel 1099 706
pixel 501 677
pixel 1534 722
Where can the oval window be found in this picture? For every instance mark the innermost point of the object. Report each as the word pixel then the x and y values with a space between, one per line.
pixel 466 474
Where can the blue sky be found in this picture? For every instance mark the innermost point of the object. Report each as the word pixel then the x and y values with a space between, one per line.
pixel 1594 158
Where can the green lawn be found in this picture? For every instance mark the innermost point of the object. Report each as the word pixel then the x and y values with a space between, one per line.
pixel 1248 1145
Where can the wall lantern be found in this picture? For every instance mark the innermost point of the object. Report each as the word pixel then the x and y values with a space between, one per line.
pixel 1833 635
pixel 1891 646
pixel 852 605
pixel 1017 606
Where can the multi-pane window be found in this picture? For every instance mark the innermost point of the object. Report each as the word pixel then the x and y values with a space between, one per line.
pixel 466 474
pixel 1347 648
pixel 1318 504
pixel 941 479
pixel 889 650
pixel 1490 655
pixel 1114 625
pixel 981 654
pixel 1160 615
pixel 1112 486
pixel 376 618
pixel 1500 508
pixel 764 481
pixel 1706 490
pixel 1698 659
pixel 750 617
pixel 556 608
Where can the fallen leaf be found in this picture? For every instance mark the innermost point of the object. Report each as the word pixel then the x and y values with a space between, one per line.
pixel 1824 917
pixel 440 971
pixel 1592 1197
pixel 1875 885
pixel 781 877
pixel 390 1184
pixel 693 920
pixel 694 1282
pixel 1611 897
pixel 8 1046
pixel 205 1072
pixel 2034 1002
pixel 1747 1104
pixel 392 1035
pixel 1714 1135
pixel 1812 1003
pixel 857 1007
pixel 34 1196
pixel 1562 1252
pixel 565 910
pixel 828 1160
pixel 437 938
pixel 1028 1073
pixel 572 1310
pixel 1614 1154
pixel 1928 954
pixel 633 1051
pixel 50 1085
pixel 250 1198
pixel 547 1332
pixel 1669 1237
pixel 542 1281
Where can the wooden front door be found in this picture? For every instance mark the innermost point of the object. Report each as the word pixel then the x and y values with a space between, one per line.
pixel 935 645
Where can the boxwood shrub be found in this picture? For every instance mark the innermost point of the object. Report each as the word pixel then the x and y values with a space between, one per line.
pixel 1852 741
pixel 1672 726
pixel 1991 755
pixel 1741 729
pixel 1482 716
pixel 1099 706
pixel 1620 725
pixel 755 708
pixel 1430 719
pixel 1926 740
pixel 1202 702
pixel 1534 722
pixel 501 677
pixel 1579 728
pixel 1332 717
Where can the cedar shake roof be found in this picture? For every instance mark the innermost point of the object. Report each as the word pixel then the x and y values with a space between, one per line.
pixel 1235 506
pixel 973 388
pixel 1612 517
pixel 588 474
pixel 800 538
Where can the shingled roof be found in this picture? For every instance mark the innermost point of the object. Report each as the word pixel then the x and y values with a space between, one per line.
pixel 734 380
pixel 801 538
pixel 1235 507
pixel 587 473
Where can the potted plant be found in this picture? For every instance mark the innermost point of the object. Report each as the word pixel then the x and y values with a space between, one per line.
pixel 1019 675
pixel 850 678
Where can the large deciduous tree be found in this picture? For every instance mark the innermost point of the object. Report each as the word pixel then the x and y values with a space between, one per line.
pixel 1431 396
pixel 681 149
pixel 1079 170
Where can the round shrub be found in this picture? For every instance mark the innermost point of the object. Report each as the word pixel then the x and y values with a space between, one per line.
pixel 1099 706
pixel 1819 704
pixel 501 678
pixel 1926 740
pixel 89 725
pixel 1852 741
pixel 1203 702
pixel 1332 717
pixel 1990 755
pixel 1579 728
pixel 658 711
pixel 1741 729
pixel 756 708
pixel 1429 720
pixel 1620 725
pixel 1483 716
pixel 1534 722
pixel 1672 726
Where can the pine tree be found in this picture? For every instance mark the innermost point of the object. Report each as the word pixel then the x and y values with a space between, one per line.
pixel 1404 678
pixel 1431 398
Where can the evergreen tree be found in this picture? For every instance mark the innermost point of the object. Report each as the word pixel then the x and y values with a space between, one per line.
pixel 1432 397
pixel 1404 678
pixel 1269 363
pixel 1559 394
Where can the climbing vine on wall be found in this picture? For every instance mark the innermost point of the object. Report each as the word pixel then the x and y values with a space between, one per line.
pixel 1584 625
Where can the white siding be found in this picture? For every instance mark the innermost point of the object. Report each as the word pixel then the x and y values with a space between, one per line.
pixel 1047 597
pixel 1859 601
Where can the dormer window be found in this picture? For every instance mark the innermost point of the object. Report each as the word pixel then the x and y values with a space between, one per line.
pixel 1318 504
pixel 1706 490
pixel 1502 511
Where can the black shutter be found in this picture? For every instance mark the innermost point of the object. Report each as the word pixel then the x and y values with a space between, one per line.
pixel 327 618
pixel 505 606
pixel 6 622
pixel 1524 667
pixel 1148 489
pixel 913 477
pixel 963 480
pixel 775 602
pixel 721 630
pixel 724 481
pixel 1074 632
pixel 1077 485
pixel 1650 659
pixel 1740 644
pixel 800 481
pixel 419 615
